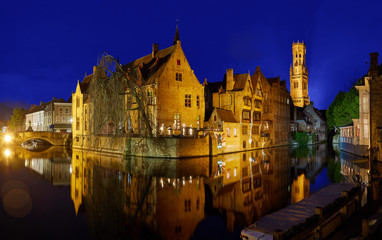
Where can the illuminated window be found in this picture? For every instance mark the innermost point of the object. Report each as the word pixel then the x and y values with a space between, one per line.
pixel 197 101
pixel 234 132
pixel 150 98
pixel 228 173
pixel 228 132
pixel 177 121
pixel 234 172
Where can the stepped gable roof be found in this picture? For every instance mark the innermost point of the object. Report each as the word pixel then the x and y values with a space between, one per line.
pixel 239 81
pixel 226 115
pixel 151 67
pixel 256 76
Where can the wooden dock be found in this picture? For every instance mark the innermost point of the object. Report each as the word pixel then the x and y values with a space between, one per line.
pixel 283 219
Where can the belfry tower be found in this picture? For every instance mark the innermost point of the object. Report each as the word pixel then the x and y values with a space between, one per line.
pixel 299 76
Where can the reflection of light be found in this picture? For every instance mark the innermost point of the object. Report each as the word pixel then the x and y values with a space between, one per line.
pixel 7 138
pixel 70 169
pixel 7 153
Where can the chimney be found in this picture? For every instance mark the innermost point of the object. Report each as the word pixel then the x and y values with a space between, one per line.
pixel 155 49
pixel 229 79
pixel 54 99
pixel 41 102
pixel 373 72
pixel 94 69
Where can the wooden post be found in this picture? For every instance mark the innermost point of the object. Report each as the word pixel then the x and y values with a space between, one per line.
pixel 365 227
pixel 344 210
pixel 318 233
pixel 277 235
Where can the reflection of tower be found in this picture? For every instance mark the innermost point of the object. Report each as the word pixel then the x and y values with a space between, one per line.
pixel 299 76
pixel 300 189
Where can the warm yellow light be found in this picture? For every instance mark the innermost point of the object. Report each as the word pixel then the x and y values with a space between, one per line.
pixel 7 153
pixel 7 138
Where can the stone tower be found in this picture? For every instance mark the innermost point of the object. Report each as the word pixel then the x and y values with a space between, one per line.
pixel 299 76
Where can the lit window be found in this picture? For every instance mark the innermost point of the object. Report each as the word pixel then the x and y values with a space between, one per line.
pixel 234 132
pixel 197 101
pixel 228 173
pixel 234 172
pixel 177 121
pixel 228 132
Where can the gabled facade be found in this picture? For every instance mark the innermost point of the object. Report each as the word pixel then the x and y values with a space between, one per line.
pixel 236 94
pixel 172 97
pixel 276 109
pixel 175 95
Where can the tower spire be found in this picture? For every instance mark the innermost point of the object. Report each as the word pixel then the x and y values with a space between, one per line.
pixel 176 38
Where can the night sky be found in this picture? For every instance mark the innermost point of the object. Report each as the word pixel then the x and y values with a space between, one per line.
pixel 46 46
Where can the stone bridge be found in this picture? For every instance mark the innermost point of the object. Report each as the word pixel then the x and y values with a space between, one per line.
pixel 56 138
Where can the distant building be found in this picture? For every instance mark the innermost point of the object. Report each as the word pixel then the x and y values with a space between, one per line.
pixel 355 137
pixel 299 76
pixel 52 116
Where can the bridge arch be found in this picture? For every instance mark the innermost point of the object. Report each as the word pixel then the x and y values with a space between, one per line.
pixel 56 139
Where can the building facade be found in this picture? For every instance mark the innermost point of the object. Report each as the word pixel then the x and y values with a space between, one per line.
pixel 169 95
pixel 299 75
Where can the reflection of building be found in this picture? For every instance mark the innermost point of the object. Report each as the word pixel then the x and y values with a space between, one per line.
pixel 51 164
pixel 251 184
pixel 147 194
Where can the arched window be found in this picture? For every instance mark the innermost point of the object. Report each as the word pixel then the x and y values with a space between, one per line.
pixel 244 144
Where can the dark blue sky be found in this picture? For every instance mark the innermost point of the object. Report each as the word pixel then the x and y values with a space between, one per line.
pixel 46 46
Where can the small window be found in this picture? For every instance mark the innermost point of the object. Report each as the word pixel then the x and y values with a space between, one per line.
pixel 234 132
pixel 229 173
pixel 215 118
pixel 234 172
pixel 197 101
pixel 244 144
pixel 66 110
pixel 178 62
pixel 228 132
pixel 177 121
pixel 178 77
pixel 187 100
pixel 60 110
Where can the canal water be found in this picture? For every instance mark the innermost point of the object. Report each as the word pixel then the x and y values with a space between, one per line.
pixel 63 194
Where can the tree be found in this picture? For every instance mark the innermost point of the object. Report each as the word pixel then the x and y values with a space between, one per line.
pixel 16 122
pixel 343 109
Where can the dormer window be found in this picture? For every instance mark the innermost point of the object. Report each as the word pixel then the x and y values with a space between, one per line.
pixel 178 62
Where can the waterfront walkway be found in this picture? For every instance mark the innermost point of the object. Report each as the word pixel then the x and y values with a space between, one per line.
pixel 298 212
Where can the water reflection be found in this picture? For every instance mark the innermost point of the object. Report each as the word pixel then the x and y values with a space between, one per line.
pixel 172 198
pixel 139 197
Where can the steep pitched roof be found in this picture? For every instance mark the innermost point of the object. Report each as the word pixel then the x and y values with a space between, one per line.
pixel 176 38
pixel 239 81
pixel 226 115
pixel 151 67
